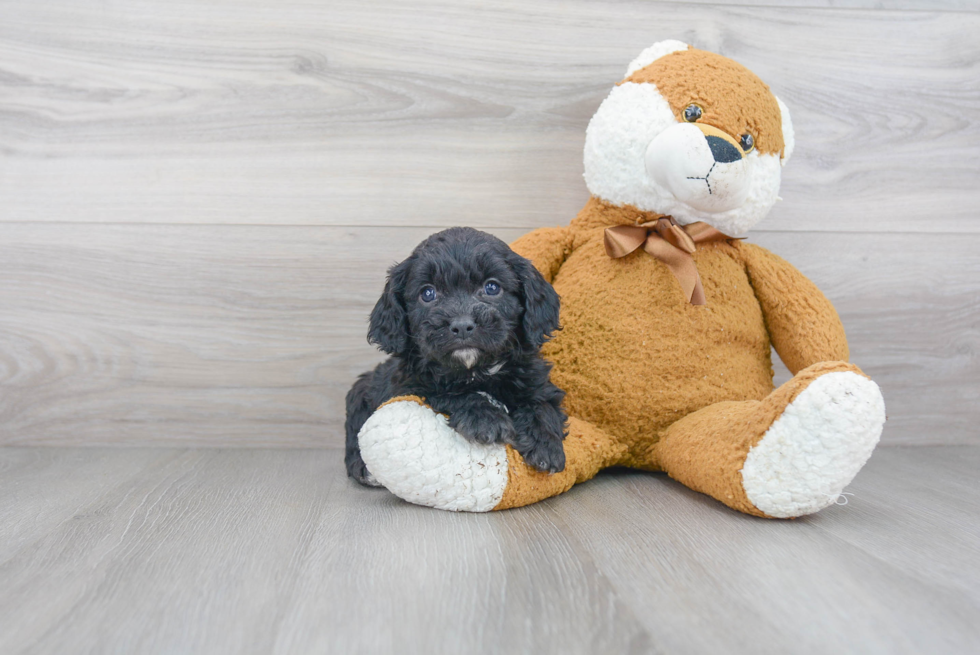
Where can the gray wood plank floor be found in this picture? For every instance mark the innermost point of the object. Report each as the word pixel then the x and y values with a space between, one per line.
pixel 117 550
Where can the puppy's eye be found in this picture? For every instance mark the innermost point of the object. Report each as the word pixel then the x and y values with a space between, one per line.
pixel 491 288
pixel 747 142
pixel 692 112
pixel 428 293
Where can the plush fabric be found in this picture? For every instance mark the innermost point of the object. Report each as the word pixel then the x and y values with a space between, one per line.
pixel 421 459
pixel 732 97
pixel 656 382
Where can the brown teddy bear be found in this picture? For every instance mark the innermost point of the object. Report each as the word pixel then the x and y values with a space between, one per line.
pixel 668 319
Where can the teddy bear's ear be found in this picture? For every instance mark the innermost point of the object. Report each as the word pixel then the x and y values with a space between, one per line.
pixel 788 140
pixel 655 52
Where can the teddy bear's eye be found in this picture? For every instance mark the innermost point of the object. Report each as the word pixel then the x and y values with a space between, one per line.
pixel 428 293
pixel 747 142
pixel 692 112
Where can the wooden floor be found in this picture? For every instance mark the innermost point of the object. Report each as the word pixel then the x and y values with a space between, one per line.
pixel 118 550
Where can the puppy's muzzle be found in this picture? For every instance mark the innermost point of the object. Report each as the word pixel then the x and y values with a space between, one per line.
pixel 462 328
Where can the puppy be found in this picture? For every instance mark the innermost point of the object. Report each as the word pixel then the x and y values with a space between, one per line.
pixel 464 318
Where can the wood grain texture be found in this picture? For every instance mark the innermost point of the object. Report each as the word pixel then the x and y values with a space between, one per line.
pixel 210 335
pixel 43 488
pixel 866 577
pixel 436 113
pixel 914 5
pixel 249 157
pixel 911 309
pixel 244 335
pixel 275 551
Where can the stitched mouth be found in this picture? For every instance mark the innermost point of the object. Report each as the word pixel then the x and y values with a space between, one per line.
pixel 467 356
pixel 705 178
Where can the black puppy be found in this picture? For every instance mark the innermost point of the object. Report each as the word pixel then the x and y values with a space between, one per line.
pixel 464 318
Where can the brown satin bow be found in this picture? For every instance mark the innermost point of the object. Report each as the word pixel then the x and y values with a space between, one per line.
pixel 668 242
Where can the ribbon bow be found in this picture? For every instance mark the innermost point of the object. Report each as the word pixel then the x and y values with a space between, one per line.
pixel 670 243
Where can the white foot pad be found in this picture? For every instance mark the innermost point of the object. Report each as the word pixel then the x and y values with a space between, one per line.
pixel 814 450
pixel 413 452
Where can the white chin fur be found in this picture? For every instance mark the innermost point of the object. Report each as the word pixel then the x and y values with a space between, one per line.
pixel 616 151
pixel 467 356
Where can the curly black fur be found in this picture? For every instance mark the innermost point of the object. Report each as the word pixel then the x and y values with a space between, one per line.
pixel 464 344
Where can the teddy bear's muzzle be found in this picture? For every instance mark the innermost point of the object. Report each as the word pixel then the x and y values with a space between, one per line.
pixel 699 165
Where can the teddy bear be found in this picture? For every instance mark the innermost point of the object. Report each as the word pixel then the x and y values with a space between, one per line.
pixel 668 319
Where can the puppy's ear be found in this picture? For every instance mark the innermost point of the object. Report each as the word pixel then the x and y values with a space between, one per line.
pixel 388 326
pixel 540 302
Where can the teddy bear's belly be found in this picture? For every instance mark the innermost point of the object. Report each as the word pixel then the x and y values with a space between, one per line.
pixel 634 356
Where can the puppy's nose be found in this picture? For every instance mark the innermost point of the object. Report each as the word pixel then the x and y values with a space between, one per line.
pixel 462 326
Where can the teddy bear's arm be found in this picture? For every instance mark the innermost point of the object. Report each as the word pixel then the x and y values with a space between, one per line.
pixel 547 248
pixel 804 327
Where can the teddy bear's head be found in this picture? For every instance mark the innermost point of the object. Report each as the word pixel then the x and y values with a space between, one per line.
pixel 692 135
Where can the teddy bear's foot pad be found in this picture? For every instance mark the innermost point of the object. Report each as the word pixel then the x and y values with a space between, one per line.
pixel 413 452
pixel 816 447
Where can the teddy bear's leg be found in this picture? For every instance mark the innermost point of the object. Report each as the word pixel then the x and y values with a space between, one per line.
pixel 788 455
pixel 588 450
pixel 412 451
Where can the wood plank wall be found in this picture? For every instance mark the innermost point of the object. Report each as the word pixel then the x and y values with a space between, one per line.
pixel 198 200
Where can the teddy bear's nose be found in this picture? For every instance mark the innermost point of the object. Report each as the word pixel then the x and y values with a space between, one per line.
pixel 723 151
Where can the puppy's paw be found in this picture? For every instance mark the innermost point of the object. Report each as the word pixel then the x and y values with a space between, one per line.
pixel 483 425
pixel 547 456
pixel 358 470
